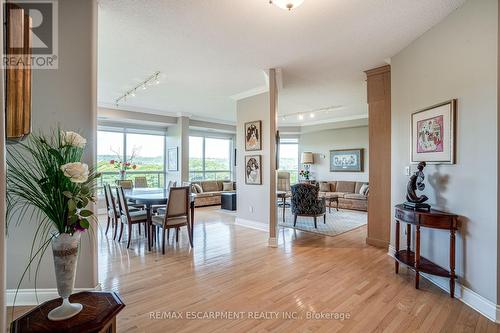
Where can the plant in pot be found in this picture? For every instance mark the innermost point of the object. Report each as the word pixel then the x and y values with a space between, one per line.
pixel 45 176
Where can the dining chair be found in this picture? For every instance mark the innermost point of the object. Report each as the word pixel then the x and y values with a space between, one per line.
pixel 140 182
pixel 125 183
pixel 129 217
pixel 110 210
pixel 114 210
pixel 170 184
pixel 176 214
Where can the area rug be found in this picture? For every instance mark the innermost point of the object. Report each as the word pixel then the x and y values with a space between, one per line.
pixel 336 222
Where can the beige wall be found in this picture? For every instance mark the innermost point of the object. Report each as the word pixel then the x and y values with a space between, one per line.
pixel 65 96
pixel 455 59
pixel 321 142
pixel 253 196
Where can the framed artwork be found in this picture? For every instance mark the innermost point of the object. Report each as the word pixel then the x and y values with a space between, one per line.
pixel 173 154
pixel 18 75
pixel 253 137
pixel 433 134
pixel 253 170
pixel 347 160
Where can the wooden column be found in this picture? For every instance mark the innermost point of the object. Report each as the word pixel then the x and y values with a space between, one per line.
pixel 379 110
pixel 273 104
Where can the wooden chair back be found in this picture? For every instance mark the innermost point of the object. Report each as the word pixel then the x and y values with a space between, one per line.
pixel 110 200
pixel 122 203
pixel 178 202
pixel 140 182
pixel 125 183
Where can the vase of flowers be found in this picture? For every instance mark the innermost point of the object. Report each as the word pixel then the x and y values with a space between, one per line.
pixel 124 166
pixel 47 173
pixel 305 174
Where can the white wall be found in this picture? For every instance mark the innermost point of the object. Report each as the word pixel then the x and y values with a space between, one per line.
pixel 455 59
pixel 256 196
pixel 321 142
pixel 66 96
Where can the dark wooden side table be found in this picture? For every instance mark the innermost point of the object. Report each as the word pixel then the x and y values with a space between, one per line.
pixel 98 315
pixel 427 219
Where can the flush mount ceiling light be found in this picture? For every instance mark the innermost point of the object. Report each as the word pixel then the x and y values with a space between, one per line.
pixel 287 4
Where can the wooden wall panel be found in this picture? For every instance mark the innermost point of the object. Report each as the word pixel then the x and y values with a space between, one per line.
pixel 379 202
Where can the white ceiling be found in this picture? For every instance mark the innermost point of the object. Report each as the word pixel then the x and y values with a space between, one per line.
pixel 210 51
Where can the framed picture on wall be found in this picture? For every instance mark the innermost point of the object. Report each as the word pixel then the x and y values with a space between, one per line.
pixel 433 134
pixel 253 136
pixel 347 160
pixel 173 154
pixel 253 170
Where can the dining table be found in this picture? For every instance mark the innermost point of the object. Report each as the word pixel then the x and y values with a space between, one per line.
pixel 157 196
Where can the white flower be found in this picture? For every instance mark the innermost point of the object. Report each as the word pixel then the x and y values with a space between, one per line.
pixel 76 172
pixel 73 139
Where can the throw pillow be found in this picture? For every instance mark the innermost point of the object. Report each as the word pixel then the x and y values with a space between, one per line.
pixel 227 186
pixel 324 187
pixel 198 188
pixel 364 189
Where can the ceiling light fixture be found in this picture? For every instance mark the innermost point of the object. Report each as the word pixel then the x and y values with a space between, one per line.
pixel 312 113
pixel 286 4
pixel 154 78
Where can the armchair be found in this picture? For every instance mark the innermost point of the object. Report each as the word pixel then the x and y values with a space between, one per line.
pixel 305 202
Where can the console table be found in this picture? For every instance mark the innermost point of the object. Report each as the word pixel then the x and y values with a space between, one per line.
pixel 427 219
pixel 98 315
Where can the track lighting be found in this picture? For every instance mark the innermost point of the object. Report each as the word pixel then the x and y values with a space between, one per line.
pixel 154 78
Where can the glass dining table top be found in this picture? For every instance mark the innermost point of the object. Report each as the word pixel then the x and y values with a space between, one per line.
pixel 149 195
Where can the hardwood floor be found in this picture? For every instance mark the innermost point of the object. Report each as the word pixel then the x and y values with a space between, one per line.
pixel 231 268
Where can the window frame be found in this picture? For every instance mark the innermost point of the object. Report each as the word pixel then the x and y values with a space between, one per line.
pixel 290 141
pixel 135 130
pixel 204 171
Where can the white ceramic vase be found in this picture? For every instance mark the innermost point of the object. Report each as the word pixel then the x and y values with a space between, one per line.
pixel 65 251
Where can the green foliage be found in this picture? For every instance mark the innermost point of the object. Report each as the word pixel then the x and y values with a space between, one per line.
pixel 35 179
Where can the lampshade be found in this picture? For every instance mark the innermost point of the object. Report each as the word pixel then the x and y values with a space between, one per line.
pixel 307 158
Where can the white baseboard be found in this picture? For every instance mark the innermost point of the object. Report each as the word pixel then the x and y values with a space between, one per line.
pixel 252 224
pixel 482 305
pixel 27 297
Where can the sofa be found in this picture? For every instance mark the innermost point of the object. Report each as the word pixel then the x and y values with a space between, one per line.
pixel 210 193
pixel 348 193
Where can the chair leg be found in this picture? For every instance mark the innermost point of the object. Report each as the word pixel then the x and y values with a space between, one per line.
pixel 168 233
pixel 294 220
pixel 139 227
pixel 315 222
pixel 177 235
pixel 115 227
pixel 129 234
pixel 107 225
pixel 324 219
pixel 121 232
pixel 163 241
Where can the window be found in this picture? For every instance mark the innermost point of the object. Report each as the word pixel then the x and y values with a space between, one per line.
pixel 209 158
pixel 142 152
pixel 289 158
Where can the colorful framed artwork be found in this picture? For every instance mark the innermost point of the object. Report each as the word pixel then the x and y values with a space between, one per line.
pixel 253 170
pixel 433 134
pixel 173 154
pixel 253 136
pixel 347 160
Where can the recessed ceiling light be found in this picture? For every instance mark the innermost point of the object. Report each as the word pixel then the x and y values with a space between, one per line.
pixel 287 4
pixel 301 117
pixel 311 115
